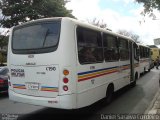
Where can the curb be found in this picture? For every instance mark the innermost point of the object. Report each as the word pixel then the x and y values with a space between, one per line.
pixel 150 109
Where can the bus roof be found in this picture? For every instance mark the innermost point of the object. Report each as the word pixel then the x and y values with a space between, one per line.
pixel 82 23
pixel 76 22
pixel 143 45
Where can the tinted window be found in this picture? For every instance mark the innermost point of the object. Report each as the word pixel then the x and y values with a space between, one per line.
pixel 148 52
pixel 110 48
pixel 124 49
pixel 87 37
pixel 89 46
pixel 37 37
pixel 144 52
pixel 136 51
pixel 141 52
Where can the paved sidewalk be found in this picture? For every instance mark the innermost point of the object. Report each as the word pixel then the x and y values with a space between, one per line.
pixel 154 107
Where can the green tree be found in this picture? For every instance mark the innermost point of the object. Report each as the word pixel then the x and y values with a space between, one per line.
pixel 2 59
pixel 20 11
pixel 3 47
pixel 3 41
pixel 149 5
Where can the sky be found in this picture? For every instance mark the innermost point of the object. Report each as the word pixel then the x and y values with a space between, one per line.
pixel 118 15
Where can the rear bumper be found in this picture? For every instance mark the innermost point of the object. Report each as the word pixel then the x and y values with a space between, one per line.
pixel 63 102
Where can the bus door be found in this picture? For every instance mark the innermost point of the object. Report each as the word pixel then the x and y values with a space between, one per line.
pixel 131 61
pixel 124 62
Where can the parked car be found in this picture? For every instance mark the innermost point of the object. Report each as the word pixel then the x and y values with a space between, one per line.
pixel 4 80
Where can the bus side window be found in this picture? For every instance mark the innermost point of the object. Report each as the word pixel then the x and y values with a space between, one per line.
pixel 90 48
pixel 110 48
pixel 123 49
pixel 87 55
pixel 136 52
pixel 98 53
pixel 141 52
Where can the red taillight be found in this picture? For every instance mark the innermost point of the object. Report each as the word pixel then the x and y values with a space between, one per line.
pixel 1 81
pixel 65 88
pixel 65 80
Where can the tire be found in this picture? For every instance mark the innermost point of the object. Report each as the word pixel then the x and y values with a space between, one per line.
pixel 109 93
pixel 144 70
pixel 133 84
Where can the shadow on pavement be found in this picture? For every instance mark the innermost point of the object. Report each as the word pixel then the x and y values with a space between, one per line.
pixel 3 95
pixel 86 113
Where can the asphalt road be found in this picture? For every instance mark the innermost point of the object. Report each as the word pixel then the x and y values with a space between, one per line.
pixel 126 101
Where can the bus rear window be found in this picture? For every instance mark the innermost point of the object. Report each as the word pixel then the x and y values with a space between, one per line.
pixel 36 38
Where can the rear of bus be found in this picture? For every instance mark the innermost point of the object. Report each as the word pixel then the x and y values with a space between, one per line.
pixel 155 52
pixel 42 60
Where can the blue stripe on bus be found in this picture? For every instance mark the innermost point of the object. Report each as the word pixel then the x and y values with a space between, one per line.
pixel 82 73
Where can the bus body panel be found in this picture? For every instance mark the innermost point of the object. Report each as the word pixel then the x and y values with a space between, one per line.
pixel 94 89
pixel 144 65
pixel 63 102
pixel 44 72
pixel 93 80
pixel 67 57
pixel 35 74
pixel 35 80
pixel 145 59
pixel 86 83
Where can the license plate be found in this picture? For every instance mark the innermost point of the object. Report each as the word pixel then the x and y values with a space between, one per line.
pixel 32 86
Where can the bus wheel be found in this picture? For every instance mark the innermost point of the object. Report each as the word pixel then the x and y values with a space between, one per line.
pixel 149 69
pixel 144 71
pixel 133 84
pixel 109 93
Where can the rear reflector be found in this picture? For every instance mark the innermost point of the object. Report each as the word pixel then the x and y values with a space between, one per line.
pixel 65 88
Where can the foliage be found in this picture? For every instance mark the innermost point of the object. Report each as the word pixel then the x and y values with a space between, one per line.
pixel 149 5
pixel 19 11
pixel 2 59
pixel 3 41
pixel 98 23
pixel 133 36
pixel 3 47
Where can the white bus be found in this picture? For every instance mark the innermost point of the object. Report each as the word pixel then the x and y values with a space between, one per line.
pixel 65 63
pixel 144 59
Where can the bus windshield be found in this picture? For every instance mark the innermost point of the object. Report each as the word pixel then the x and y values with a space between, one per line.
pixel 36 38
